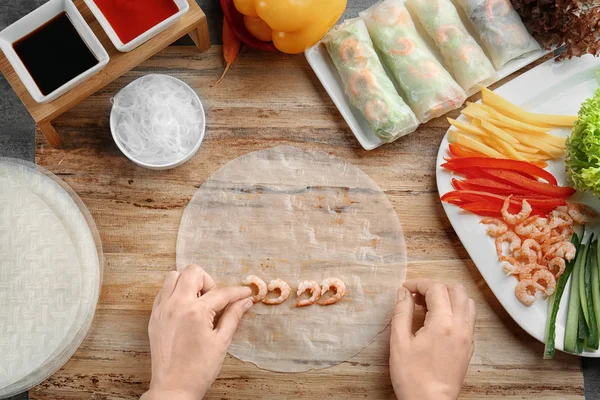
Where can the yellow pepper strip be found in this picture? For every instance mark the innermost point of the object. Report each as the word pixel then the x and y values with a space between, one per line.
pixel 525 149
pixel 498 132
pixel 296 24
pixel 504 148
pixel 483 110
pixel 501 104
pixel 506 122
pixel 466 128
pixel 466 141
pixel 538 144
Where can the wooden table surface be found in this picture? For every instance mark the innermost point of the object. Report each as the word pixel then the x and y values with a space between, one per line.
pixel 266 100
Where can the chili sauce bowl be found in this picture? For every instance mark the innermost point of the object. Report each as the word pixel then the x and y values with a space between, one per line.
pixel 182 5
pixel 36 20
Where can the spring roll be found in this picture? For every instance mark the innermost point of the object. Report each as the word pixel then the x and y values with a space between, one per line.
pixel 500 29
pixel 427 87
pixel 366 84
pixel 463 56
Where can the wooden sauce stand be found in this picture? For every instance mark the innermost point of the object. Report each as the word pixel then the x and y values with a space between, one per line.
pixel 192 23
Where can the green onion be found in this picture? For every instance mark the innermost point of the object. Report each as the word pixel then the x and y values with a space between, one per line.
pixel 592 341
pixel 572 330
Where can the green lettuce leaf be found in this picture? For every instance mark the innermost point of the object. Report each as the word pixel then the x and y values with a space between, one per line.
pixel 583 147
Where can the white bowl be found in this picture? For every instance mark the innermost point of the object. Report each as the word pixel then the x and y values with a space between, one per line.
pixel 173 164
pixel 183 6
pixel 36 19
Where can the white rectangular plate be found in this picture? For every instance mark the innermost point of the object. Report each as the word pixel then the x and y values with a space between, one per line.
pixel 552 88
pixel 321 63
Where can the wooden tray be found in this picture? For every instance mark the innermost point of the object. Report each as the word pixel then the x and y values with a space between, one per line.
pixel 193 23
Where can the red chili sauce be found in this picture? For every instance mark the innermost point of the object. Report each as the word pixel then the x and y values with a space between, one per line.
pixel 131 18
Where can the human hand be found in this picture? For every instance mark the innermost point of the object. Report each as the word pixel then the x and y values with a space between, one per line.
pixel 187 346
pixel 432 363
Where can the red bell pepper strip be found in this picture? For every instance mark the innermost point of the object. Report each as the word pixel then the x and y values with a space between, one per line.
pixel 488 185
pixel 465 196
pixel 517 179
pixel 460 164
pixel 457 151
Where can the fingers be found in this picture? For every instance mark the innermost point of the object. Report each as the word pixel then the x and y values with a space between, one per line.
pixel 472 314
pixel 220 298
pixel 231 318
pixel 403 315
pixel 168 286
pixel 436 294
pixel 193 280
pixel 459 301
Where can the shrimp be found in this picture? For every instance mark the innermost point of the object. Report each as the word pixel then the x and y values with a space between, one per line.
pixel 407 46
pixel 529 270
pixel 575 211
pixel 389 14
pixel 360 80
pixel 549 282
pixel 526 290
pixel 530 249
pixel 510 268
pixel 337 286
pixel 426 70
pixel 315 293
pixel 281 287
pixel 351 50
pixel 260 285
pixel 492 5
pixel 535 228
pixel 376 110
pixel 558 264
pixel 495 226
pixel 563 233
pixel 514 243
pixel 514 219
pixel 550 242
pixel 564 250
pixel 559 219
pixel 444 32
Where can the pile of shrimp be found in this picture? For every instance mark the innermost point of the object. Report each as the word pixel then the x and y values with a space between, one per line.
pixel 316 291
pixel 538 247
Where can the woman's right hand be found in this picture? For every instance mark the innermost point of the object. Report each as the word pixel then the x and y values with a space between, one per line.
pixel 433 362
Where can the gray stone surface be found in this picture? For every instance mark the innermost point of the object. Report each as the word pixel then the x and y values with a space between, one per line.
pixel 17 130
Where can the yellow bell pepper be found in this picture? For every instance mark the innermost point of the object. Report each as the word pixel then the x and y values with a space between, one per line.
pixel 295 24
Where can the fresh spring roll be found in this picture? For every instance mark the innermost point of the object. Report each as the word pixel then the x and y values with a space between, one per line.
pixel 366 84
pixel 466 60
pixel 427 87
pixel 500 29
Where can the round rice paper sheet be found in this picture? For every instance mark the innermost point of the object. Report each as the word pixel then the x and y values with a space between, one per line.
pixel 297 215
pixel 53 312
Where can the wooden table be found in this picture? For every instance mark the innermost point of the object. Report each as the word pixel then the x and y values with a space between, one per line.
pixel 266 100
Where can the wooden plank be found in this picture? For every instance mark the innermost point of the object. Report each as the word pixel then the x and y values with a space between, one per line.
pixel 138 213
pixel 193 21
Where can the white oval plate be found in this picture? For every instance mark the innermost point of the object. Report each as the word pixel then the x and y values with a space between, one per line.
pixel 552 88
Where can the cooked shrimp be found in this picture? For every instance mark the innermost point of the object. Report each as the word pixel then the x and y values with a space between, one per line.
pixel 529 270
pixel 514 243
pixel 550 242
pixel 491 8
pixel 575 211
pixel 426 70
pixel 530 249
pixel 526 290
pixel 535 228
pixel 406 46
pixel 351 50
pixel 377 111
pixel 564 250
pixel 548 282
pixel 557 266
pixel 337 286
pixel 514 219
pixel 361 80
pixel 281 287
pixel 511 268
pixel 389 14
pixel 261 287
pixel 315 293
pixel 495 226
pixel 559 219
pixel 444 32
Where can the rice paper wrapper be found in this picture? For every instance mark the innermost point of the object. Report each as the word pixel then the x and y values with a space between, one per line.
pixel 462 54
pixel 500 29
pixel 366 83
pixel 426 86
pixel 296 215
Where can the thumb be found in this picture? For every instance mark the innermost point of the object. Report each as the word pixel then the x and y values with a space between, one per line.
pixel 403 315
pixel 231 318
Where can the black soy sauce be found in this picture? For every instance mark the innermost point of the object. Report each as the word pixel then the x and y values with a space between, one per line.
pixel 54 53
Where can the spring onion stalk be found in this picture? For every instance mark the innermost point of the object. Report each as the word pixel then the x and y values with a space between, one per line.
pixel 592 340
pixel 582 288
pixel 572 331
pixel 554 303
